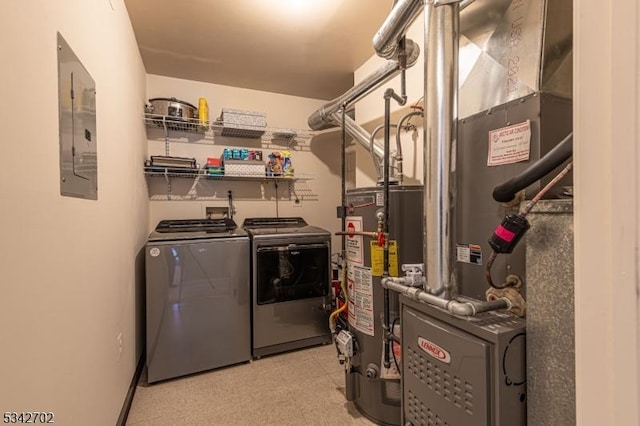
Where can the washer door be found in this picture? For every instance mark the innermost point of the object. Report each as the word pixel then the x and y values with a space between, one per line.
pixel 292 272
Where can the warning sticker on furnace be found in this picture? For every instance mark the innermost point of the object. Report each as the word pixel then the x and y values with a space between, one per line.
pixel 509 144
pixel 469 253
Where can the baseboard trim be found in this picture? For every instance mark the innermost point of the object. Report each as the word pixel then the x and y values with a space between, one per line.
pixel 126 406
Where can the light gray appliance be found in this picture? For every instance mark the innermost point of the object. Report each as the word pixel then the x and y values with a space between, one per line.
pixel 290 264
pixel 462 371
pixel 379 399
pixel 551 367
pixel 198 297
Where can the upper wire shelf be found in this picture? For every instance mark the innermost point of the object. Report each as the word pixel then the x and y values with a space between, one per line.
pixel 218 128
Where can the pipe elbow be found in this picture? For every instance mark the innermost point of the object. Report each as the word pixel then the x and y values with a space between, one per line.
pixel 384 51
pixel 388 281
pixel 385 282
pixel 386 39
pixel 461 308
pixel 411 52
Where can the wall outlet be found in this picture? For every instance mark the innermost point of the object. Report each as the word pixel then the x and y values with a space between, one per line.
pixel 119 339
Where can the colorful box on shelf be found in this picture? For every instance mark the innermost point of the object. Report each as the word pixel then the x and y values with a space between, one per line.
pixel 241 154
pixel 214 171
pixel 244 168
pixel 280 164
pixel 213 167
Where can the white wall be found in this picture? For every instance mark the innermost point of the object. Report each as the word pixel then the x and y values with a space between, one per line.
pixel 607 96
pixel 68 270
pixel 318 157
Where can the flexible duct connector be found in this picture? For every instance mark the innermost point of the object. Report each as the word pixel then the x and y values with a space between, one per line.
pixel 387 39
pixel 559 154
pixel 465 308
pixel 322 118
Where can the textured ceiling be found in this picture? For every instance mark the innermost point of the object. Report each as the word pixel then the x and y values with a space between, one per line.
pixel 306 48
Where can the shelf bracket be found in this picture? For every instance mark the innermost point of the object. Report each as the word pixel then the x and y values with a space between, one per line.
pixel 167 179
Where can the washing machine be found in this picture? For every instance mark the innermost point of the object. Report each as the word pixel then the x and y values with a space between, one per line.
pixel 198 297
pixel 290 269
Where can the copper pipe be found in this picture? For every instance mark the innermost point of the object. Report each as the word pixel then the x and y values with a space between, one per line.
pixel 487 273
pixel 527 208
pixel 362 233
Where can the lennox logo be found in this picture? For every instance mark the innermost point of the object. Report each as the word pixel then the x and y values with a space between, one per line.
pixel 434 350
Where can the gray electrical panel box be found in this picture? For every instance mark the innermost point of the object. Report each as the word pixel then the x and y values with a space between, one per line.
pixel 77 121
pixel 462 371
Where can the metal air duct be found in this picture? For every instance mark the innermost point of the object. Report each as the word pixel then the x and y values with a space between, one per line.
pixel 387 39
pixel 512 48
pixel 358 133
pixel 322 117
pixel 441 84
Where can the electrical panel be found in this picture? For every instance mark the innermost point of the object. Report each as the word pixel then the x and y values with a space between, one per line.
pixel 77 121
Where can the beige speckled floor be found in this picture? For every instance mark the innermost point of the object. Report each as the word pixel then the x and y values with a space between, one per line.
pixel 304 387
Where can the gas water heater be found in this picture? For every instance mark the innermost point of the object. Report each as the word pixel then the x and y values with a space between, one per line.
pixel 376 391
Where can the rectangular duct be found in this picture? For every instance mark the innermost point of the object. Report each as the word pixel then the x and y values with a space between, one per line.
pixel 510 49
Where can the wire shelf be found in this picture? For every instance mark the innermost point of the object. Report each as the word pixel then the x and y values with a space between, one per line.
pixel 202 174
pixel 218 128
pixel 245 132
pixel 192 125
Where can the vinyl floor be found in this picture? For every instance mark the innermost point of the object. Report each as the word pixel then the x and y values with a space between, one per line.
pixel 304 387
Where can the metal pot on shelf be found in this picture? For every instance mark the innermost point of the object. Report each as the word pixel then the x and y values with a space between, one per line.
pixel 172 107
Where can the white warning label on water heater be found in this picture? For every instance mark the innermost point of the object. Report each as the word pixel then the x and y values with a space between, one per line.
pixel 379 199
pixel 509 144
pixel 353 243
pixel 360 291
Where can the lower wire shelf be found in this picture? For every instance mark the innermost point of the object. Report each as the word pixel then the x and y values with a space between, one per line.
pixel 202 174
